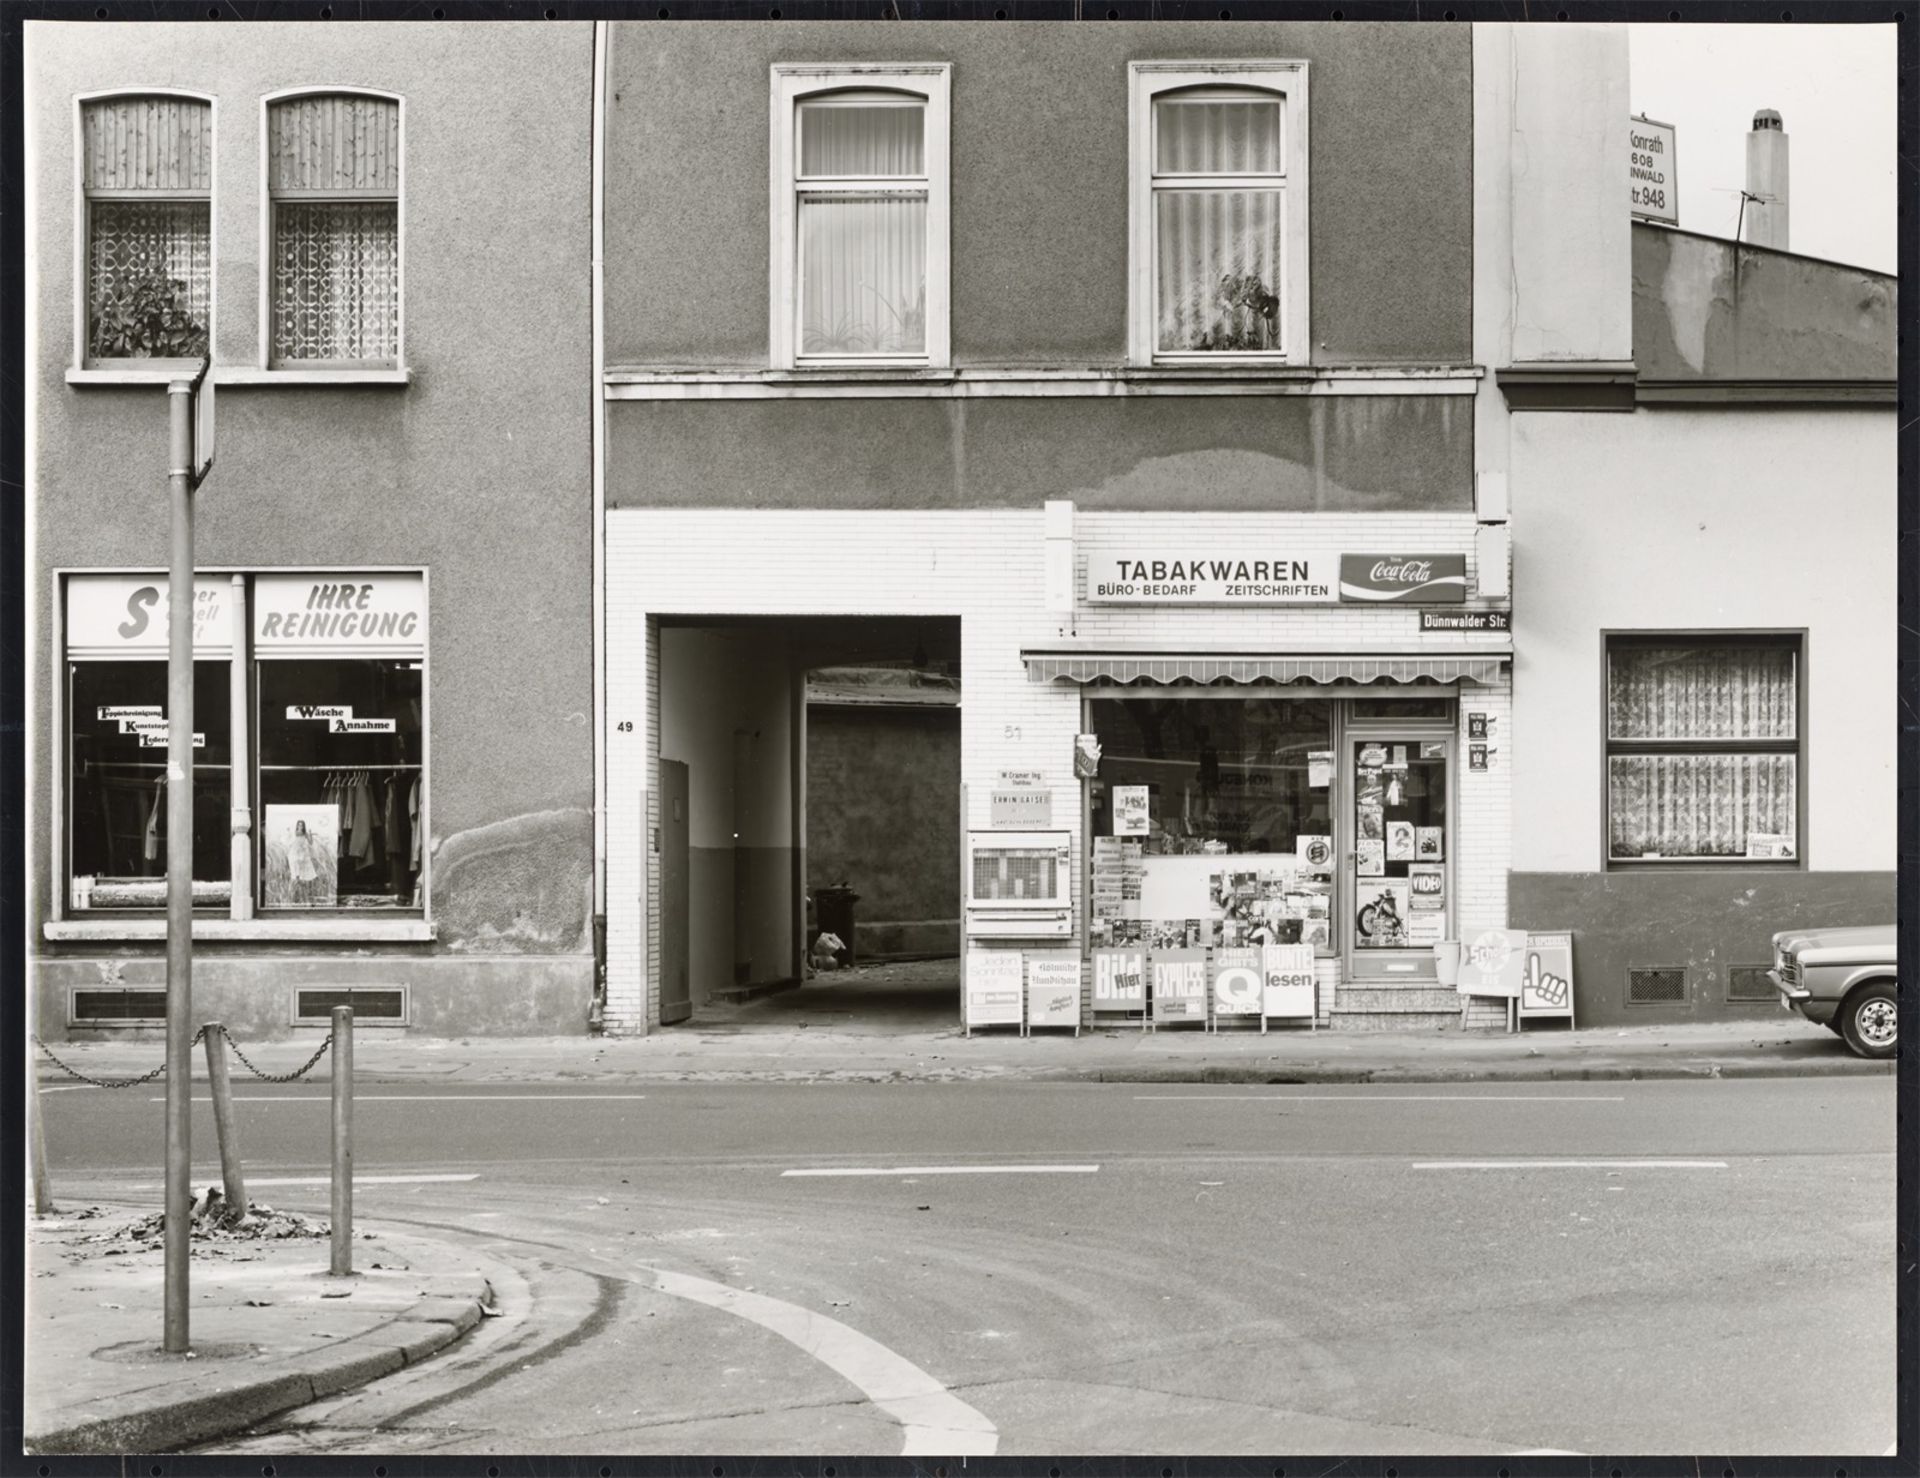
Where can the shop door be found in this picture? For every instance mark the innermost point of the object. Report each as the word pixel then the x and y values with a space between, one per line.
pixel 676 993
pixel 1399 853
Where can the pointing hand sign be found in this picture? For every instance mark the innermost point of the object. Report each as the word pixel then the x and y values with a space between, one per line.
pixel 1541 985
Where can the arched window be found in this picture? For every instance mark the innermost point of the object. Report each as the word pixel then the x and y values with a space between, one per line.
pixel 860 216
pixel 146 176
pixel 1219 211
pixel 333 190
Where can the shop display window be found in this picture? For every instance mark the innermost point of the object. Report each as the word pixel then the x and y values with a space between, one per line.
pixel 340 783
pixel 1703 749
pixel 1213 822
pixel 116 785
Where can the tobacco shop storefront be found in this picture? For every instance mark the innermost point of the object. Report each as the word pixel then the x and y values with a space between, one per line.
pixel 1302 752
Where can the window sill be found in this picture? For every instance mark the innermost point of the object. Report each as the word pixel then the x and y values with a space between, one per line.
pixel 357 930
pixel 1241 378
pixel 231 374
pixel 130 376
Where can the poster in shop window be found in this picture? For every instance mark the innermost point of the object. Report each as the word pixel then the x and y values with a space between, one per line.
pixel 302 856
pixel 1119 980
pixel 1380 919
pixel 1400 847
pixel 1429 843
pixel 1130 810
pixel 993 987
pixel 1180 985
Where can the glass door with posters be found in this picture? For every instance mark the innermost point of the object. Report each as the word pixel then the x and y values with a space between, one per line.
pixel 1399 852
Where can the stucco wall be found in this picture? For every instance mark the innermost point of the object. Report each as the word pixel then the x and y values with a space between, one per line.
pixel 883 815
pixel 1704 519
pixel 1708 309
pixel 1039 158
pixel 478 470
pixel 718 688
pixel 1307 454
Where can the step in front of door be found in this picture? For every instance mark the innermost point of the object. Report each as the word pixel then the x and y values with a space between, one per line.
pixel 1396 998
pixel 1394 1021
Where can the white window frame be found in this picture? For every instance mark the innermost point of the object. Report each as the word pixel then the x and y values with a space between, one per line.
pixel 84 369
pixel 1148 81
pixel 794 84
pixel 265 370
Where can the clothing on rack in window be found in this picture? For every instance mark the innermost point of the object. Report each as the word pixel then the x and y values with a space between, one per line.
pixel 153 819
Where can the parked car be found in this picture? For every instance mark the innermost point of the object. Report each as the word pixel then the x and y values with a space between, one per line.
pixel 1844 980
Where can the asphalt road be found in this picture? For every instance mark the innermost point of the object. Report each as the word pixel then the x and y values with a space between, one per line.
pixel 1610 1269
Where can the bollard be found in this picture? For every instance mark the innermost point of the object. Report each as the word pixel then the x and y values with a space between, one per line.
pixel 223 1125
pixel 42 1186
pixel 342 1264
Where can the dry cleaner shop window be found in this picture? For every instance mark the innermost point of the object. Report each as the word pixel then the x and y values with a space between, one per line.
pixel 331 740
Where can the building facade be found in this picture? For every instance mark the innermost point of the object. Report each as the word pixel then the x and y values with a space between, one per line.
pixel 1127 372
pixel 1699 453
pixel 394 758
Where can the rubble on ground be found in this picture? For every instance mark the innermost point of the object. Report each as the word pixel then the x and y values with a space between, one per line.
pixel 218 1227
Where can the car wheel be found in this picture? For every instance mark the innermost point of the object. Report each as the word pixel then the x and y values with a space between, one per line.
pixel 1868 1020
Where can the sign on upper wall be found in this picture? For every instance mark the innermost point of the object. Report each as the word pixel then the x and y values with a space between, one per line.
pixel 1412 579
pixel 119 616
pixel 1203 577
pixel 1654 183
pixel 378 614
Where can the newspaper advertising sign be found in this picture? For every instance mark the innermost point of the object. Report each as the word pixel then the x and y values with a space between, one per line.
pixel 1651 176
pixel 1053 991
pixel 1179 985
pixel 1236 982
pixel 993 987
pixel 1287 980
pixel 1546 980
pixel 1492 962
pixel 1119 980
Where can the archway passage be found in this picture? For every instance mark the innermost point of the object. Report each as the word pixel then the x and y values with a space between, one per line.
pixel 820 760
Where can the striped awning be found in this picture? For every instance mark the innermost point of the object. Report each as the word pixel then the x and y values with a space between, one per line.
pixel 1281 669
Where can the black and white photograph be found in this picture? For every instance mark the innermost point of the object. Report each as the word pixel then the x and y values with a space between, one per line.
pixel 778 590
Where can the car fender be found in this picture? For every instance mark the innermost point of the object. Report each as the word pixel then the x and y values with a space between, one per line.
pixel 1865 975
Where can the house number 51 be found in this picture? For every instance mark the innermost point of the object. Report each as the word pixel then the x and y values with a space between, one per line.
pixel 1012 731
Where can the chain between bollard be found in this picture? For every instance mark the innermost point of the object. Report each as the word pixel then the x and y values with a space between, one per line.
pixel 74 1072
pixel 299 1072
pixel 160 1071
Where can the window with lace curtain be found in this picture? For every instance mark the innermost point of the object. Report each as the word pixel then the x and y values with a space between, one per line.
pixel 1218 212
pixel 333 185
pixel 146 173
pixel 1703 748
pixel 859 241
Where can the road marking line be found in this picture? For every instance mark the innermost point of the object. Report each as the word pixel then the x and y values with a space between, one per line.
pixel 1378 1098
pixel 952 1170
pixel 423 1097
pixel 258 1180
pixel 935 1420
pixel 1570 1165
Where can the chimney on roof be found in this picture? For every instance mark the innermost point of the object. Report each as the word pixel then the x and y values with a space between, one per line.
pixel 1766 202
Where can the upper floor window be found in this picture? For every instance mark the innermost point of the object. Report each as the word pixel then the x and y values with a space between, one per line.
pixel 1219 212
pixel 1703 748
pixel 333 190
pixel 859 237
pixel 146 178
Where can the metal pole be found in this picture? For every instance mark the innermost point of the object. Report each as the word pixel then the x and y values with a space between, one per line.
pixel 223 1125
pixel 42 1186
pixel 342 1263
pixel 179 1194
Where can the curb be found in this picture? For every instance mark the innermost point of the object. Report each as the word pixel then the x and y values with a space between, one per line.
pixel 1597 1073
pixel 207 1407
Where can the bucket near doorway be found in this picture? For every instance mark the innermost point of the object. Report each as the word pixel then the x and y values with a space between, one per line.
pixel 1446 962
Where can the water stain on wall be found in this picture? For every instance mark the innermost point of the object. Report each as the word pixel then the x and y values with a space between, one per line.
pixel 521 885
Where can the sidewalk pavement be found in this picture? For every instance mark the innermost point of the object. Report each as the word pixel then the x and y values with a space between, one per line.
pixel 803 1045
pixel 270 1328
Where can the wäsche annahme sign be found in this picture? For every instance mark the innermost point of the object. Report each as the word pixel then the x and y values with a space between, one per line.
pixel 1206 578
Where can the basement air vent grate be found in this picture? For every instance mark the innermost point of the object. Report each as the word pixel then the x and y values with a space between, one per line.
pixel 1750 983
pixel 1656 987
pixel 379 1005
pixel 116 1006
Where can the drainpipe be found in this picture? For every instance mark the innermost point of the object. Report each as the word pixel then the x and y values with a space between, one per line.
pixel 596 1019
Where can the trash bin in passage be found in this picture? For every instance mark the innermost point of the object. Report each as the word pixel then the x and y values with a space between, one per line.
pixel 833 912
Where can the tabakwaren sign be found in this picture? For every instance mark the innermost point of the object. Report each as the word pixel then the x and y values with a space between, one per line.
pixel 1203 578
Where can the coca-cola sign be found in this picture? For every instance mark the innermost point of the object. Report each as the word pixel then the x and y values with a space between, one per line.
pixel 1416 579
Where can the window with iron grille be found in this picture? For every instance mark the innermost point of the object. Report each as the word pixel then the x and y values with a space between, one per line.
pixel 146 173
pixel 333 178
pixel 1703 749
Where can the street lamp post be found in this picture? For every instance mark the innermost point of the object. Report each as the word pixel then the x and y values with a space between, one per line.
pixel 186 465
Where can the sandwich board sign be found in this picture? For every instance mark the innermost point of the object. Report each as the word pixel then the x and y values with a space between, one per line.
pixel 1053 991
pixel 993 987
pixel 1287 986
pixel 1237 985
pixel 1180 985
pixel 1546 979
